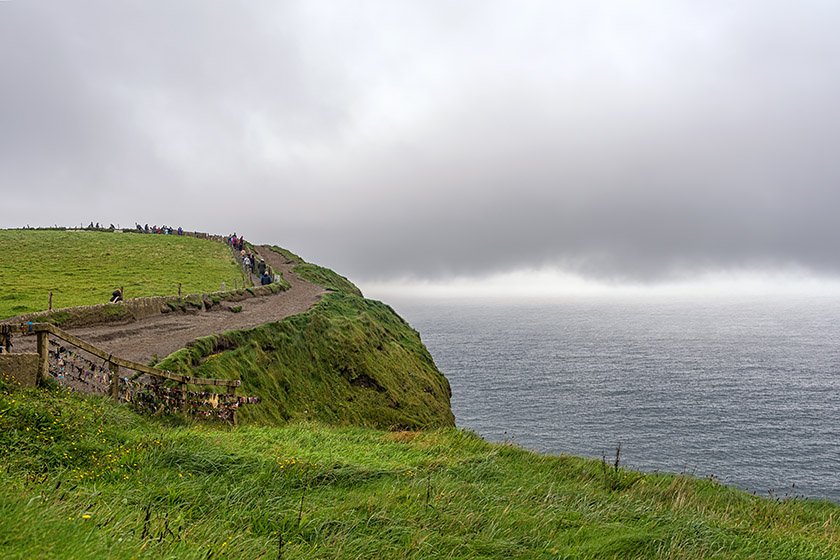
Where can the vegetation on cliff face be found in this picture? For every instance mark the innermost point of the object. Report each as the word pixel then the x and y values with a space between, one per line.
pixel 347 361
pixel 86 478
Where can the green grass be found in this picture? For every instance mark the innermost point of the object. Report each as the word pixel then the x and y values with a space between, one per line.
pixel 85 478
pixel 84 267
pixel 288 255
pixel 326 278
pixel 347 361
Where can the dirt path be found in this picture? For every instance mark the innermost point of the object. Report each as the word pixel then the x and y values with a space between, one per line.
pixel 159 336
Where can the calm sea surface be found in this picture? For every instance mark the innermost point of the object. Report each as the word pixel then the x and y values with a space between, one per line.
pixel 747 391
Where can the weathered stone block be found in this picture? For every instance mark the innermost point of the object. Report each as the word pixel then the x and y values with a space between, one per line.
pixel 19 369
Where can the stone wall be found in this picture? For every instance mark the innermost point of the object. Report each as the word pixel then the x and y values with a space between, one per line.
pixel 138 308
pixel 23 368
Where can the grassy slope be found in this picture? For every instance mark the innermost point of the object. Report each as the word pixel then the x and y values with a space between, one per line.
pixel 85 478
pixel 83 268
pixel 327 278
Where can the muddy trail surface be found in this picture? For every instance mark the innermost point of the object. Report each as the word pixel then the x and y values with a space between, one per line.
pixel 143 340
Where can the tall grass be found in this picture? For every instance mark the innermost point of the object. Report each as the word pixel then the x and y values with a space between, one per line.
pixel 89 479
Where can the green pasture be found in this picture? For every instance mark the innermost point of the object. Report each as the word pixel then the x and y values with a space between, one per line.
pixel 86 478
pixel 84 267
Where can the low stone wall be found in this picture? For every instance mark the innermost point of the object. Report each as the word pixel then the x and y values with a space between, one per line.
pixel 136 309
pixel 22 368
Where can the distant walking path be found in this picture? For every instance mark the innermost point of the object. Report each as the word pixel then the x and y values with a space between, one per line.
pixel 161 335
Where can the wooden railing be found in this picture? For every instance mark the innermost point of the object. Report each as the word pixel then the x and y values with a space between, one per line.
pixel 43 330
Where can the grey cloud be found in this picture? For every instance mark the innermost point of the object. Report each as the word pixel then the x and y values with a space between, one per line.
pixel 385 140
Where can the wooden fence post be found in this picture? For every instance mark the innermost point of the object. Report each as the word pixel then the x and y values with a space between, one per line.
pixel 114 389
pixel 50 304
pixel 43 355
pixel 179 289
pixel 232 392
pixel 183 387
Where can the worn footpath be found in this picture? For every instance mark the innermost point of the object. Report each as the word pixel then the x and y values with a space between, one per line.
pixel 143 340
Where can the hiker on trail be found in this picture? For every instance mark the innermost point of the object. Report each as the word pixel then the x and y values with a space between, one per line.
pixel 265 278
pixel 261 267
pixel 116 296
pixel 247 262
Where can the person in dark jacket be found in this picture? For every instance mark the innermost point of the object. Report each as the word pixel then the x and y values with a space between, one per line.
pixel 265 278
pixel 116 296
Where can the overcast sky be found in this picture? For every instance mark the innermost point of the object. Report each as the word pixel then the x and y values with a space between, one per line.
pixel 617 141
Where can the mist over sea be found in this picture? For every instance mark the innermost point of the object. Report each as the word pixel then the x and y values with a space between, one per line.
pixel 745 390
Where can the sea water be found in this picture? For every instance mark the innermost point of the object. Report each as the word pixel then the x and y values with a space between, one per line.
pixel 747 391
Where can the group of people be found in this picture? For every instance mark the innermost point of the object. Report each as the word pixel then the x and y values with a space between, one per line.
pixel 253 263
pixel 99 226
pixel 165 230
